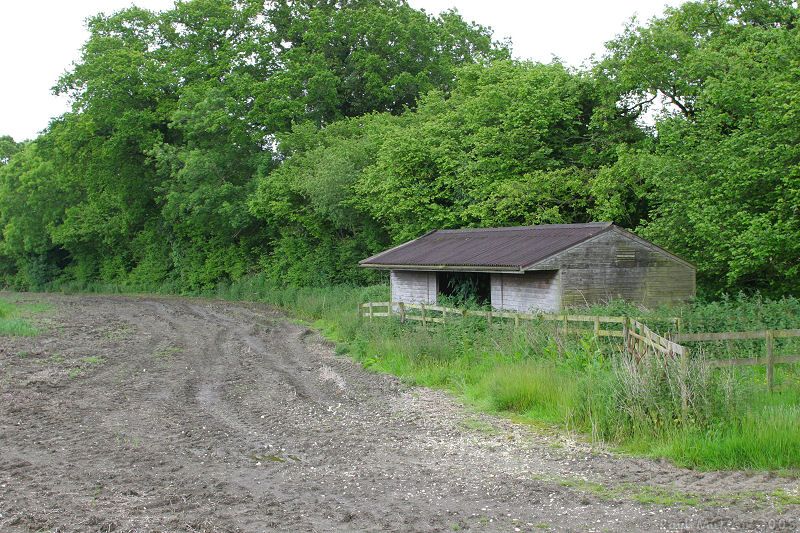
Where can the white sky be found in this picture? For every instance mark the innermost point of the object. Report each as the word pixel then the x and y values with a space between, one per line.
pixel 39 40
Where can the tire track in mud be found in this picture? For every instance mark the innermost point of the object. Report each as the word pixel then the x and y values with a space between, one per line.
pixel 212 416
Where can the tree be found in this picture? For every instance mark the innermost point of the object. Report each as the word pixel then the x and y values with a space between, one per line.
pixel 175 114
pixel 310 200
pixel 510 145
pixel 723 175
pixel 8 147
pixel 32 200
pixel 349 58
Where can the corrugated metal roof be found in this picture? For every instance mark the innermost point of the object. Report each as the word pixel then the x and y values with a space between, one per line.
pixel 495 248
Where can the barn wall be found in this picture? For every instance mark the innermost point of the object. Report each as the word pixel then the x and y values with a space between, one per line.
pixel 614 265
pixel 413 287
pixel 531 291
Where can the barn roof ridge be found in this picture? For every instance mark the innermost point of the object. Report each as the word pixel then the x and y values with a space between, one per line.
pixel 523 228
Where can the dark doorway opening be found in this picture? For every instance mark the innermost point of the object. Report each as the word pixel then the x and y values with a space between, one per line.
pixel 465 287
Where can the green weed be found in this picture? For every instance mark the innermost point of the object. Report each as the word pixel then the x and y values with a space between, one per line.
pixel 646 494
pixel 782 497
pixel 166 352
pixel 475 424
pixel 534 388
pixel 14 318
pixel 764 438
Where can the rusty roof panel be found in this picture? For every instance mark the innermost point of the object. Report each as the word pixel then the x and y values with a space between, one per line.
pixel 512 248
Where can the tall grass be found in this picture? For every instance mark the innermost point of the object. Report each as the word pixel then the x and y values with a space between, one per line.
pixel 538 390
pixel 729 313
pixel 573 382
pixel 12 323
pixel 764 438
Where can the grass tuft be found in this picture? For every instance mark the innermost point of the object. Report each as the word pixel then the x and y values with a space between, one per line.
pixel 13 319
pixel 535 389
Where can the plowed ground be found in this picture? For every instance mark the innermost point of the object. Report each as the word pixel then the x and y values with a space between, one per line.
pixel 168 414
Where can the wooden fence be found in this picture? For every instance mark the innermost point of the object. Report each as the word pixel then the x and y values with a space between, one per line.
pixel 638 339
pixel 641 341
pixel 636 336
pixel 769 359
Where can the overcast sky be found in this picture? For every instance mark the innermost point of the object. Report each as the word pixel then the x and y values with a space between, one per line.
pixel 39 39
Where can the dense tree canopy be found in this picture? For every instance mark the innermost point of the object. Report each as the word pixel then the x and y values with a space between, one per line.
pixel 721 180
pixel 296 137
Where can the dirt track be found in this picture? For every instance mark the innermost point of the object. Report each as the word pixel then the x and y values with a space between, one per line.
pixel 164 414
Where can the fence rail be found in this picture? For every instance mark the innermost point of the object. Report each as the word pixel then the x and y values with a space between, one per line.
pixel 638 339
pixel 768 335
pixel 423 313
pixel 737 335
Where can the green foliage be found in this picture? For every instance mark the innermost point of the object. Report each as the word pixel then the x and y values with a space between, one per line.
pixel 321 236
pixel 721 180
pixel 727 313
pixel 148 179
pixel 31 198
pixel 8 147
pixel 221 138
pixel 509 145
pixel 351 58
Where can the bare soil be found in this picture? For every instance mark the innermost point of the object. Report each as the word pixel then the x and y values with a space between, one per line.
pixel 168 414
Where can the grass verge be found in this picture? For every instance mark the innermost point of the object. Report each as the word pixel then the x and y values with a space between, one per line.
pixel 671 497
pixel 15 318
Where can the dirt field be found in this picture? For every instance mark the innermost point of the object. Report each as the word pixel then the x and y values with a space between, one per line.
pixel 164 414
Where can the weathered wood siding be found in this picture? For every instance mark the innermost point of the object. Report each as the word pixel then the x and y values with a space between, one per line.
pixel 615 265
pixel 413 287
pixel 531 291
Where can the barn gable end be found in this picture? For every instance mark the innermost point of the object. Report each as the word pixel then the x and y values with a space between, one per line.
pixel 619 265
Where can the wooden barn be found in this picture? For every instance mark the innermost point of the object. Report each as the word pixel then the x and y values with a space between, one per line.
pixel 537 268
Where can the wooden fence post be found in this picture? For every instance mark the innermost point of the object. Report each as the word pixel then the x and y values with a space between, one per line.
pixel 597 327
pixel 684 386
pixel 402 306
pixel 641 347
pixel 516 320
pixel 489 316
pixel 359 310
pixel 370 311
pixel 424 316
pixel 626 336
pixel 769 337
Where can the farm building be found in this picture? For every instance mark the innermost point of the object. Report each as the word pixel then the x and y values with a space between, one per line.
pixel 537 268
